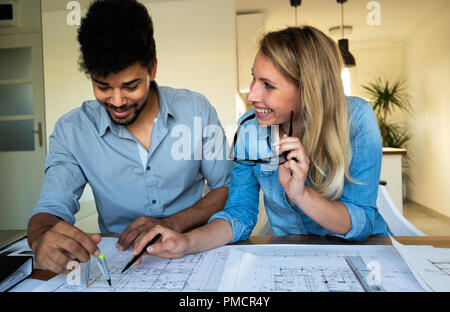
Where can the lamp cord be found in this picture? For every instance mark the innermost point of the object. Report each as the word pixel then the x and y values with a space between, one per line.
pixel 342 19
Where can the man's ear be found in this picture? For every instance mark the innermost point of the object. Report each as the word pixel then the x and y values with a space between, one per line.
pixel 154 70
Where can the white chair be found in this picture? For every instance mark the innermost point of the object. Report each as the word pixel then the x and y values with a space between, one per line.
pixel 396 222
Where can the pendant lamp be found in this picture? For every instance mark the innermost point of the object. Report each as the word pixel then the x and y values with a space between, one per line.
pixel 295 4
pixel 348 58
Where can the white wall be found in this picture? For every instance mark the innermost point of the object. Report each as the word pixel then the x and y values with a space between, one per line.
pixel 196 49
pixel 377 59
pixel 250 29
pixel 374 59
pixel 427 67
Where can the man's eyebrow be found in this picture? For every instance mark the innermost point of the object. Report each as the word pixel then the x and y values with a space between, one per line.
pixel 131 82
pixel 123 84
pixel 100 82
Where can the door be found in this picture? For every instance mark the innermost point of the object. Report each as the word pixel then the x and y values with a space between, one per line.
pixel 22 127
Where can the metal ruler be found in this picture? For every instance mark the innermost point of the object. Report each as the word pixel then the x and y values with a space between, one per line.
pixel 361 272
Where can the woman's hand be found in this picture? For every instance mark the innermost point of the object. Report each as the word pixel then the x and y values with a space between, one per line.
pixel 293 173
pixel 171 244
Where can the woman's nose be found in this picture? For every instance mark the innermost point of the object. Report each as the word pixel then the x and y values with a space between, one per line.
pixel 253 95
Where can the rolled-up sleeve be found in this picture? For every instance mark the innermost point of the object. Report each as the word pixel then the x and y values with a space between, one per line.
pixel 241 209
pixel 360 196
pixel 64 180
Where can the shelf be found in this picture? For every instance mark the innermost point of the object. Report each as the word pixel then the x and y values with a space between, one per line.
pixel 15 81
pixel 16 117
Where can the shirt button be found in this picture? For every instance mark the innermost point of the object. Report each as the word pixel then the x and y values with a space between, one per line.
pixel 154 201
pixel 148 168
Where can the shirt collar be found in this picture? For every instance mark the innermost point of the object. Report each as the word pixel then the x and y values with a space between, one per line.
pixel 165 112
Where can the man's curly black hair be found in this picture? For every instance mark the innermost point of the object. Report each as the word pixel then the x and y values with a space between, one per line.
pixel 114 35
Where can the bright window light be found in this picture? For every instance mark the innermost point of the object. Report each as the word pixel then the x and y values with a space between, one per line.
pixel 346 80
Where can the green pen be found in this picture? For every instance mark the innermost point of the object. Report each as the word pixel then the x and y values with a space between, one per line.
pixel 86 272
pixel 103 268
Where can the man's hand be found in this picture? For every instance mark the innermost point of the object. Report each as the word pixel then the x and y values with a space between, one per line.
pixel 172 244
pixel 137 229
pixel 53 247
pixel 181 222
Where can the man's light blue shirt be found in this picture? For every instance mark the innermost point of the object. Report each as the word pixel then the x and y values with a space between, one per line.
pixel 285 217
pixel 88 147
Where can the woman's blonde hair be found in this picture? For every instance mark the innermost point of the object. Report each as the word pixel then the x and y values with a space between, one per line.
pixel 311 60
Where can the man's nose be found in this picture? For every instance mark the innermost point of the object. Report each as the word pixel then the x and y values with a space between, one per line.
pixel 117 99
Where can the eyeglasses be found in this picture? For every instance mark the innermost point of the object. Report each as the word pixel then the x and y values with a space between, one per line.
pixel 271 161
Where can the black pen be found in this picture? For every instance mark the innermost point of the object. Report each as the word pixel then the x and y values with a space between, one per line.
pixel 135 258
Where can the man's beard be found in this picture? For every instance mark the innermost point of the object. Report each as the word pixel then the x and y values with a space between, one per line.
pixel 128 120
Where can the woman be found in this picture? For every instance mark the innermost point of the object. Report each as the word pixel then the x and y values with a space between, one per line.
pixel 325 179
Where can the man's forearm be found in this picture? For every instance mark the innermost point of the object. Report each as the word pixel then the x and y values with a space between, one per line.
pixel 200 212
pixel 38 225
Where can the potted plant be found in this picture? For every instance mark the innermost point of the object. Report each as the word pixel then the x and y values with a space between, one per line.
pixel 385 98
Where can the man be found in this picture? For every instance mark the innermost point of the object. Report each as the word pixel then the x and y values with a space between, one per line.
pixel 126 146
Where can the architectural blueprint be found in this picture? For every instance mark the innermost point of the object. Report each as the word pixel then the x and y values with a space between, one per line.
pixel 314 268
pixel 248 272
pixel 198 272
pixel 246 268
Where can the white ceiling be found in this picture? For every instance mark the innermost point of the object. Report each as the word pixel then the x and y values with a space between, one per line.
pixel 58 5
pixel 399 18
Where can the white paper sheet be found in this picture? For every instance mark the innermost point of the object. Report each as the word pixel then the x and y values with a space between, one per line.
pixel 431 266
pixel 27 285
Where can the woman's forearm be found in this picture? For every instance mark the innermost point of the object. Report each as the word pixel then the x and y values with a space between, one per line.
pixel 216 233
pixel 330 214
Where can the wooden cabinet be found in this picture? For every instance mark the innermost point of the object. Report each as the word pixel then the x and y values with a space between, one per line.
pixel 391 172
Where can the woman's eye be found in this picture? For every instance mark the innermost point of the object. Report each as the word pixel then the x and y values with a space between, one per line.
pixel 268 86
pixel 132 88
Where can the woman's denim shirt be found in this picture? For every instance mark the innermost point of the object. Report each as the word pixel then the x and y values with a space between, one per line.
pixel 241 209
